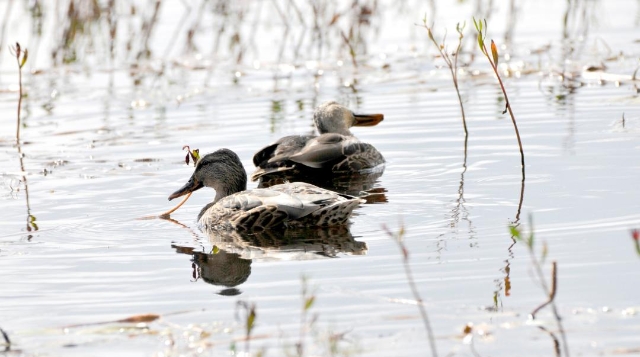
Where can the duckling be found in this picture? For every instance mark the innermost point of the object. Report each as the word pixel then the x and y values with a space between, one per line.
pixel 286 205
pixel 335 150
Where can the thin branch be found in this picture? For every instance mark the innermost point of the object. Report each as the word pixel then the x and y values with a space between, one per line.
pixel 412 285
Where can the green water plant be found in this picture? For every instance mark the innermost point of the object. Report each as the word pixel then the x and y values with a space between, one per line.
pixel 398 237
pixel 481 29
pixel 21 58
pixel 550 289
pixel 308 299
pixel 452 64
pixel 249 321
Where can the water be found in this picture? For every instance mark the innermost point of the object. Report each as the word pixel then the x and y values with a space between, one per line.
pixel 102 148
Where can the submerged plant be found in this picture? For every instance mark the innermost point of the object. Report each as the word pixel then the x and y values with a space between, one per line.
pixel 398 237
pixel 452 64
pixel 549 289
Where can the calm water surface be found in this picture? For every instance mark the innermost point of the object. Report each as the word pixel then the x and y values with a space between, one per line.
pixel 101 152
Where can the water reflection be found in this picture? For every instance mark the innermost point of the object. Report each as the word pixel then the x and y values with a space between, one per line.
pixel 228 263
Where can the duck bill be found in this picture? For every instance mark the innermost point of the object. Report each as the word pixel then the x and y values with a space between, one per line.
pixel 367 119
pixel 190 186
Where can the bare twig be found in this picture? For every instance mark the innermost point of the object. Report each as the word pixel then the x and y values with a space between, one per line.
pixel 7 341
pixel 352 51
pixel 398 238
pixel 453 67
pixel 549 291
pixel 552 293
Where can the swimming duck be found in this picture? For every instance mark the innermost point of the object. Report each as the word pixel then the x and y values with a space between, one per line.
pixel 286 205
pixel 334 150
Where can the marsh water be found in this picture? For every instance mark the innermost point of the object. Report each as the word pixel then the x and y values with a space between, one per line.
pixel 101 148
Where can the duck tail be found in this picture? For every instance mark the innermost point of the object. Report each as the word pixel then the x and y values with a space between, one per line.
pixel 335 214
pixel 260 172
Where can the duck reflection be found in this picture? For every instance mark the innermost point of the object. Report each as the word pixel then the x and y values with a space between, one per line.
pixel 228 263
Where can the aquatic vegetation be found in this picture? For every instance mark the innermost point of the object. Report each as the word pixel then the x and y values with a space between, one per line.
pixel 451 64
pixel 549 289
pixel 493 61
pixel 249 320
pixel 398 237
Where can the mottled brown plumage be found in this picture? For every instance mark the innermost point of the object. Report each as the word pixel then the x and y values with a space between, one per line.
pixel 334 150
pixel 285 205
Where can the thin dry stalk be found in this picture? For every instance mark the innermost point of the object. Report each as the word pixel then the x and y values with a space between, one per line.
pixel 352 51
pixel 549 291
pixel 398 238
pixel 453 67
pixel 5 336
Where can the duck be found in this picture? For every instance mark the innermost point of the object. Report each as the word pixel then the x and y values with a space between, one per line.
pixel 285 205
pixel 335 150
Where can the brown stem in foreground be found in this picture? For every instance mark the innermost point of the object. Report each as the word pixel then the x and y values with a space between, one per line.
pixel 7 341
pixel 412 285
pixel 549 291
pixel 552 293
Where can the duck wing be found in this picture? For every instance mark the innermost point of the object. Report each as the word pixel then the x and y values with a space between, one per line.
pixel 283 148
pixel 255 209
pixel 322 151
pixel 332 208
pixel 293 204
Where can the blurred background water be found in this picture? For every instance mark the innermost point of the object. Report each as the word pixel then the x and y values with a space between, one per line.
pixel 114 89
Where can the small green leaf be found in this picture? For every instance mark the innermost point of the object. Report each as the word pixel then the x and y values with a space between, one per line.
pixel 481 43
pixel 215 250
pixel 515 232
pixel 251 319
pixel 494 52
pixel 309 302
pixel 24 58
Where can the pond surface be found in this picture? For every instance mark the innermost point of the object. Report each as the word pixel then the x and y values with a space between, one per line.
pixel 102 149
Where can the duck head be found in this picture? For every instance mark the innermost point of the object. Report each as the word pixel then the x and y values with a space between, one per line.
pixel 332 117
pixel 221 170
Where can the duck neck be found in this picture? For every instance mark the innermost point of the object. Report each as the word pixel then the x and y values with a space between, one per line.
pixel 230 186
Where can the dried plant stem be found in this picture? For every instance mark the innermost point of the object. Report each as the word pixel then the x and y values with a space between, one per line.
pixel 5 336
pixel 453 68
pixel 167 213
pixel 352 51
pixel 19 101
pixel 552 293
pixel 412 285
